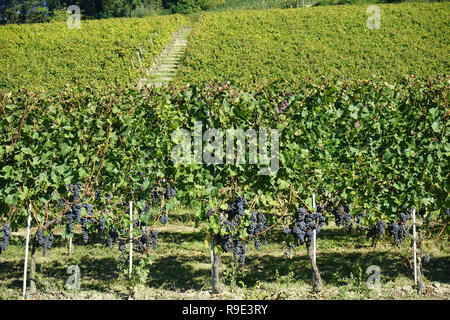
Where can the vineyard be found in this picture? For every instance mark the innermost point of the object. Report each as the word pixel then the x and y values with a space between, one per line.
pixel 294 152
pixel 52 56
pixel 318 42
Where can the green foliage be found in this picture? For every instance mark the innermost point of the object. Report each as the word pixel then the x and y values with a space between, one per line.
pixel 374 145
pixel 143 10
pixel 285 4
pixel 102 52
pixel 59 15
pixel 103 138
pixel 250 47
pixel 187 6
pixel 23 11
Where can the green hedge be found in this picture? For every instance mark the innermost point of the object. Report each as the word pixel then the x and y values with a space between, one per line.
pixel 371 144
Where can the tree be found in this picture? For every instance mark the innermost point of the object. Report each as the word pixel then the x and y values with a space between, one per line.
pixel 23 11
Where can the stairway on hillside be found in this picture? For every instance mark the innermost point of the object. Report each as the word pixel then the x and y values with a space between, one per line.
pixel 165 65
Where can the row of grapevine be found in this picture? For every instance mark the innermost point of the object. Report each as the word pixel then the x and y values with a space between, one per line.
pixel 366 148
pixel 51 56
pixel 328 42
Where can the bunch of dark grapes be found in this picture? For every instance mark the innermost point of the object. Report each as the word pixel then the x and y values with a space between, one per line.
pixel 236 209
pixel 101 224
pixel 84 229
pixel 426 258
pixel 405 216
pixel 343 217
pixel 232 218
pixel 230 224
pixel 169 192
pixel 73 216
pixel 377 230
pixel 155 195
pixel 257 225
pixel 398 231
pixel 75 190
pixel 112 238
pixel 305 224
pixel 239 249
pixel 164 216
pixel 226 242
pixel 153 239
pixel 44 241
pixel 4 241
pixel 147 207
pixel 358 221
pixel 148 239
pixel 122 248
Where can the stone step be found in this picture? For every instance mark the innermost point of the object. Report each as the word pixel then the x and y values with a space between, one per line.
pixel 163 74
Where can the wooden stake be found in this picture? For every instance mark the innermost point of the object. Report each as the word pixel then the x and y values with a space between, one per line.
pixel 25 267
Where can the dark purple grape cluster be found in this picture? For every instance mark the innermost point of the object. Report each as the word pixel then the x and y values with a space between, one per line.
pixel 398 231
pixel 258 224
pixel 305 224
pixel 426 258
pixel 236 209
pixel 231 218
pixel 73 216
pixel 155 195
pixel 101 224
pixel 239 250
pixel 164 218
pixel 44 241
pixel 122 248
pixel 422 212
pixel 405 216
pixel 4 240
pixel 377 230
pixel 226 242
pixel 343 217
pixel 147 208
pixel 152 239
pixel 169 192
pixel 112 238
pixel 230 224
pixel 148 239
pixel 84 228
pixel 358 221
pixel 75 190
